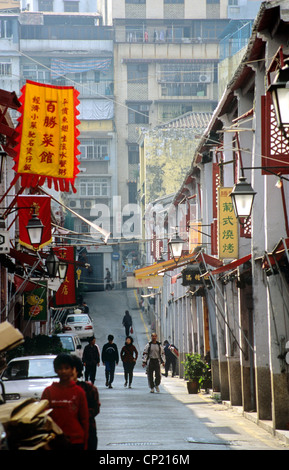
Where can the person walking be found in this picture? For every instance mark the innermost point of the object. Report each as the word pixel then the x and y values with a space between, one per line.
pixel 93 402
pixel 108 285
pixel 69 404
pixel 128 355
pixel 153 358
pixel 110 358
pixel 127 322
pixel 171 359
pixel 91 359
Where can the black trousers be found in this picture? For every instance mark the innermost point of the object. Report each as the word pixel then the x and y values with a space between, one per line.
pixel 127 328
pixel 170 362
pixel 128 371
pixel 154 373
pixel 90 372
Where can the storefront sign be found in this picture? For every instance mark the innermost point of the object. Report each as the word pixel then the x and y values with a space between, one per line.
pixel 227 226
pixel 47 136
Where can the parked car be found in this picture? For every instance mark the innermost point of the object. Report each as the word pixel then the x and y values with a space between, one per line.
pixel 71 343
pixel 28 376
pixel 80 324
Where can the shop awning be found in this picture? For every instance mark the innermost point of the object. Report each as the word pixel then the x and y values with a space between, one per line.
pixel 170 265
pixel 232 265
pixel 277 254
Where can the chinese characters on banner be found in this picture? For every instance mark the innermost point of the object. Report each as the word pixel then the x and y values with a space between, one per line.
pixel 47 139
pixel 66 295
pixel 228 226
pixel 27 205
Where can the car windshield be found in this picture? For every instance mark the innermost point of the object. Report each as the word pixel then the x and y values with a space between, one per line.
pixel 67 343
pixel 78 319
pixel 29 369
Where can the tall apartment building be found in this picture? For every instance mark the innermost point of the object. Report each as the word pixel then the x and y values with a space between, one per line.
pixel 71 49
pixel 165 64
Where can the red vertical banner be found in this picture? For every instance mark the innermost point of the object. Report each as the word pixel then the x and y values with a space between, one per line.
pixel 41 206
pixel 66 294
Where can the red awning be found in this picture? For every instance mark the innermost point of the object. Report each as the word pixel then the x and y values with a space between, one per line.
pixel 232 265
pixel 215 262
pixel 25 258
pixel 276 255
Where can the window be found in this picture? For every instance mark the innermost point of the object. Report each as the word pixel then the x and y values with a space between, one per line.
pixel 94 149
pixel 93 186
pixel 45 5
pixel 132 193
pixel 71 6
pixel 133 154
pixel 137 73
pixel 5 28
pixel 32 72
pixel 5 68
pixel 173 1
pixel 138 114
pixel 135 1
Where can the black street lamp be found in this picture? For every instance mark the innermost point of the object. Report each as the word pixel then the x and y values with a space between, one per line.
pixel 62 269
pixel 35 228
pixel 242 198
pixel 52 264
pixel 176 246
pixel 279 90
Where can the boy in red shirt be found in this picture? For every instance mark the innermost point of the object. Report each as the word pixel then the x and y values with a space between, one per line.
pixel 69 404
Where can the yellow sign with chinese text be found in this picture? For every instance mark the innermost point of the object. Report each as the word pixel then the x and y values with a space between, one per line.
pixel 227 226
pixel 48 142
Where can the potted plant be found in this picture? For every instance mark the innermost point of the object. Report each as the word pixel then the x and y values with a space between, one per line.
pixel 194 371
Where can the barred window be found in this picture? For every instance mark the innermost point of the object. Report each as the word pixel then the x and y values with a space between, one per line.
pixel 94 149
pixel 93 186
pixel 5 68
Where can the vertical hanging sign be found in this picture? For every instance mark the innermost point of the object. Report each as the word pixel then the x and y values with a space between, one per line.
pixel 66 295
pixel 228 226
pixel 47 141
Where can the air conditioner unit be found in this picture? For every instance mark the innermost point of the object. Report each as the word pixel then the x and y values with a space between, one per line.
pixel 88 204
pixel 74 204
pixel 204 78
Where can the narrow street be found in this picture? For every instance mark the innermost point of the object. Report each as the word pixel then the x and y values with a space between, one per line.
pixel 134 419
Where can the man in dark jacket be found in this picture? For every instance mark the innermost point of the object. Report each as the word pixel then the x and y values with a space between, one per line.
pixel 110 358
pixel 91 359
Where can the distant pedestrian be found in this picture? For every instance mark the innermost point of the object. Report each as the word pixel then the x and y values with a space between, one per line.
pixel 129 357
pixel 108 285
pixel 93 402
pixel 127 323
pixel 171 358
pixel 153 358
pixel 91 359
pixel 110 359
pixel 68 403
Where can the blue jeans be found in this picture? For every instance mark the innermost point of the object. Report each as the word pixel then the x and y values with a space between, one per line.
pixel 109 371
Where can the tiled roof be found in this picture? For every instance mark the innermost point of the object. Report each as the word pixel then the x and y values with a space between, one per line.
pixel 190 120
